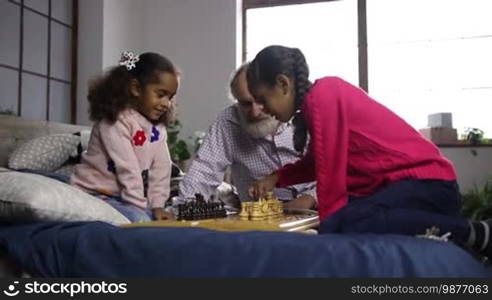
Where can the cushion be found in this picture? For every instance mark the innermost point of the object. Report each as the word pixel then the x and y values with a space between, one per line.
pixel 26 197
pixel 46 153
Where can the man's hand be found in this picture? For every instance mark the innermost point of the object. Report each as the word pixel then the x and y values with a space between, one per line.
pixel 304 201
pixel 259 189
pixel 160 214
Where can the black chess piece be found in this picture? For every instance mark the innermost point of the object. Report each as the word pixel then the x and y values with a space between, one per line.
pixel 199 198
pixel 180 212
pixel 198 209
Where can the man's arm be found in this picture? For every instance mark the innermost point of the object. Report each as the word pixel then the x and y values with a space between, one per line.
pixel 206 172
pixel 306 197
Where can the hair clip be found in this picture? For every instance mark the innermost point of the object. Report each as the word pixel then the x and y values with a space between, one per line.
pixel 128 59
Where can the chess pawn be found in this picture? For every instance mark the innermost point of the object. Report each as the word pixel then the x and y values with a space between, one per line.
pixel 222 212
pixel 256 214
pixel 264 209
pixel 267 209
pixel 272 205
pixel 180 215
pixel 245 211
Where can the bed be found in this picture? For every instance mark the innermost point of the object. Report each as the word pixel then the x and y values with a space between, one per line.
pixel 98 249
pixel 55 232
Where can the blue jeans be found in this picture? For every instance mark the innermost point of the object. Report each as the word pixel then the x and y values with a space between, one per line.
pixel 405 207
pixel 130 211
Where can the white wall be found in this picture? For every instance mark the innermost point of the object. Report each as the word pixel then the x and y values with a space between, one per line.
pixel 89 54
pixel 123 29
pixel 106 28
pixel 472 169
pixel 200 37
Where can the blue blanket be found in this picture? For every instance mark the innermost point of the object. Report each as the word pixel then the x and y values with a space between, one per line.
pixel 95 249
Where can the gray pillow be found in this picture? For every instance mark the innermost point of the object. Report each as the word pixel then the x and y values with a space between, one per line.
pixel 46 153
pixel 26 197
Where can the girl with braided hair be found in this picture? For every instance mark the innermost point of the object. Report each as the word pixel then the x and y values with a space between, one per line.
pixel 374 172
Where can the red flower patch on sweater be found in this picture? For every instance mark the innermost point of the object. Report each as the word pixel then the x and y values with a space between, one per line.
pixel 139 138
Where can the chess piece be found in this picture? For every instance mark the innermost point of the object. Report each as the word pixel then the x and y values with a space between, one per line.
pixel 275 206
pixel 265 208
pixel 245 210
pixel 256 213
pixel 222 210
pixel 179 217
pixel 199 198
pixel 198 208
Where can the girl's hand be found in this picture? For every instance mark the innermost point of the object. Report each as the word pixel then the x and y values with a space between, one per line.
pixel 260 188
pixel 160 214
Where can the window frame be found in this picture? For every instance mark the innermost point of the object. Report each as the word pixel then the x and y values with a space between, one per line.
pixel 361 30
pixel 48 76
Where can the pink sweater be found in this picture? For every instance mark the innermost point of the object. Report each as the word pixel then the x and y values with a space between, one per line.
pixel 129 159
pixel 358 146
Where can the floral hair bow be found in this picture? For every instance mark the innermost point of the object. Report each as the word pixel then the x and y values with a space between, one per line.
pixel 128 59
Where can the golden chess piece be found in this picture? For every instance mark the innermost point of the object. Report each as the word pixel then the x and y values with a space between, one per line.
pixel 256 213
pixel 245 210
pixel 275 206
pixel 271 212
pixel 264 207
pixel 268 205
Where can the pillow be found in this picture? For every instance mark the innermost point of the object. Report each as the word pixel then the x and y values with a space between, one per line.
pixel 45 153
pixel 26 197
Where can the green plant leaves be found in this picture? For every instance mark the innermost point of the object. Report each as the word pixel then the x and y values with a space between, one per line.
pixel 477 203
pixel 178 148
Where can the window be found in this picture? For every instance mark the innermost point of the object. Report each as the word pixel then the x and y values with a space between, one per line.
pixel 429 56
pixel 423 56
pixel 37 61
pixel 326 32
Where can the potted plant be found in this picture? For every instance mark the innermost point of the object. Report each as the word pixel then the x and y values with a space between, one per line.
pixel 8 112
pixel 178 148
pixel 474 136
pixel 477 202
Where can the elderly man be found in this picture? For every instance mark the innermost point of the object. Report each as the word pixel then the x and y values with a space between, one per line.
pixel 250 142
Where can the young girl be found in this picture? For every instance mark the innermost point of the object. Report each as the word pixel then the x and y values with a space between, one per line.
pixel 374 172
pixel 127 162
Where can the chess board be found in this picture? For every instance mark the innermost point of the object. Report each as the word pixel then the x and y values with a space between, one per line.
pixel 294 220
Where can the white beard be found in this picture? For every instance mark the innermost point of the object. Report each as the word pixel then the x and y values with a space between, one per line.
pixel 258 129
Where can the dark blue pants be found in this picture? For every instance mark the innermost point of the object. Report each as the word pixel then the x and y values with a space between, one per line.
pixel 406 207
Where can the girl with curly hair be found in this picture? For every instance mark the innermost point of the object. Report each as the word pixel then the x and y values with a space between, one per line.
pixel 127 162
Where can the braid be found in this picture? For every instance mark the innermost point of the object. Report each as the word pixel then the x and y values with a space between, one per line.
pixel 274 60
pixel 302 86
